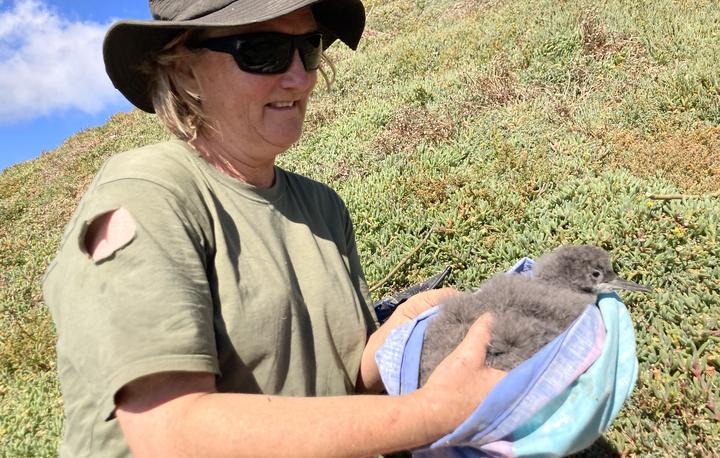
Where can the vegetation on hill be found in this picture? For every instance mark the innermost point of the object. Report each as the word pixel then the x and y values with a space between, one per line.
pixel 498 129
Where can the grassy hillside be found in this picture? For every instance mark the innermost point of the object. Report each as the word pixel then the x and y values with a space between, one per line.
pixel 504 127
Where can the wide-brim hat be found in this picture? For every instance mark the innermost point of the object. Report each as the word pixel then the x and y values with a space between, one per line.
pixel 129 43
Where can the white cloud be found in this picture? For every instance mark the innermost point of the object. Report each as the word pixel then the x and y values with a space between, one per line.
pixel 50 64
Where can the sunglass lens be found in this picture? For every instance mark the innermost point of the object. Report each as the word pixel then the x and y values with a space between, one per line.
pixel 310 47
pixel 267 54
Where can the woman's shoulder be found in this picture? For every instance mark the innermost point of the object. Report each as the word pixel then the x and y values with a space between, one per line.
pixel 310 187
pixel 168 164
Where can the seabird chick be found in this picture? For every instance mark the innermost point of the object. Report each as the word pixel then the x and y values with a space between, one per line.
pixel 529 310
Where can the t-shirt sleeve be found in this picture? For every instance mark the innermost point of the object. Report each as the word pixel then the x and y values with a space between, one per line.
pixel 357 273
pixel 145 309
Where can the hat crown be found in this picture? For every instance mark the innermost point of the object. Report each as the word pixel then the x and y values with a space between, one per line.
pixel 184 10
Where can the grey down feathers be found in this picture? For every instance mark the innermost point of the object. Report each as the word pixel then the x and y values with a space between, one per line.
pixel 529 311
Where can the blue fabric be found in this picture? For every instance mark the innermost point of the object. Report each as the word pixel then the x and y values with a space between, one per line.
pixel 576 418
pixel 556 403
pixel 523 266
pixel 411 359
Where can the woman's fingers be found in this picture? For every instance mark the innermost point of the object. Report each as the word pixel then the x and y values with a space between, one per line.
pixel 425 300
pixel 468 358
pixel 474 345
pixel 464 369
pixel 436 296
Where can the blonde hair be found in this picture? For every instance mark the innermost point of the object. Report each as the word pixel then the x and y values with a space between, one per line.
pixel 328 76
pixel 178 107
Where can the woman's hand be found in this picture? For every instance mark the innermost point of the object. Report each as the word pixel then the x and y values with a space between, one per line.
pixel 368 380
pixel 419 303
pixel 461 382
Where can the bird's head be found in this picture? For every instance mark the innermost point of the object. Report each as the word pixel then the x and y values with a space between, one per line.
pixel 583 268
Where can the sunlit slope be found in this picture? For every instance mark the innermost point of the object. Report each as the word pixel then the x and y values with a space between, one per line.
pixel 505 128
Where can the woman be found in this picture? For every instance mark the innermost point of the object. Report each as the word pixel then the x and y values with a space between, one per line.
pixel 209 303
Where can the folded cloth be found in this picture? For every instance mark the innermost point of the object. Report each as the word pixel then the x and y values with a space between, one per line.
pixel 556 403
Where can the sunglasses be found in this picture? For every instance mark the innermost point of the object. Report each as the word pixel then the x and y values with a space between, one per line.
pixel 268 52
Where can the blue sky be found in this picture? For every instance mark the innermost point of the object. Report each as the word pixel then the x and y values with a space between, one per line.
pixel 51 73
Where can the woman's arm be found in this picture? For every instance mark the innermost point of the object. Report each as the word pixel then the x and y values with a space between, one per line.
pixel 181 414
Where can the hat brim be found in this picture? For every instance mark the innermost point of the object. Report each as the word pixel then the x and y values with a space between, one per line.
pixel 128 44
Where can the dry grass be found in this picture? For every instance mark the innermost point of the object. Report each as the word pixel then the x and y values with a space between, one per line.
pixel 597 41
pixel 468 8
pixel 411 127
pixel 496 87
pixel 689 159
pixel 431 191
pixel 322 111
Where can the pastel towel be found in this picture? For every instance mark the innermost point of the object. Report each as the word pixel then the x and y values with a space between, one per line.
pixel 556 403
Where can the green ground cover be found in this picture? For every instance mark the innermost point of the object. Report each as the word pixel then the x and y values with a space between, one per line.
pixel 505 128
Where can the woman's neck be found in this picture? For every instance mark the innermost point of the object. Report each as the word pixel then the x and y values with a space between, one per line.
pixel 235 164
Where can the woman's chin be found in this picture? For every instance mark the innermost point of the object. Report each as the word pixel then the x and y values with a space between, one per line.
pixel 283 139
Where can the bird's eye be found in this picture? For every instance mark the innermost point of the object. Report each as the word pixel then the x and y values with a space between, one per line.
pixel 596 274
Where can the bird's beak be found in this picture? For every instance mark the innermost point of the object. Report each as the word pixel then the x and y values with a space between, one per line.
pixel 618 284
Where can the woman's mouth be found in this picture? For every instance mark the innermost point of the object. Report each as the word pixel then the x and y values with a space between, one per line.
pixel 282 105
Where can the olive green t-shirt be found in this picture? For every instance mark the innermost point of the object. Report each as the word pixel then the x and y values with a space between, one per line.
pixel 262 287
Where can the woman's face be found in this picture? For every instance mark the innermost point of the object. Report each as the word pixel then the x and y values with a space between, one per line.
pixel 258 115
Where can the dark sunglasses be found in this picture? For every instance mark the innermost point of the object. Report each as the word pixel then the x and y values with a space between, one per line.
pixel 268 52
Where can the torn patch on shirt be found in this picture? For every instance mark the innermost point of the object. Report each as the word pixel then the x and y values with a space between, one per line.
pixel 103 235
